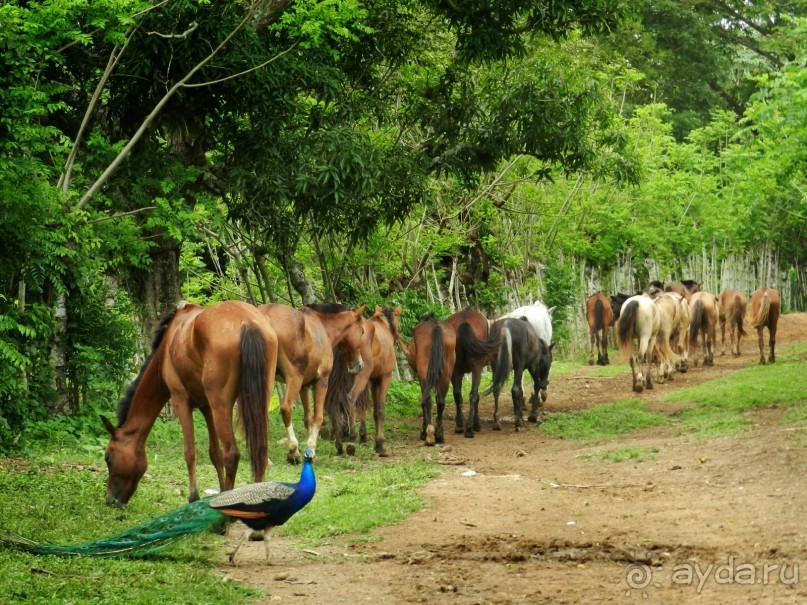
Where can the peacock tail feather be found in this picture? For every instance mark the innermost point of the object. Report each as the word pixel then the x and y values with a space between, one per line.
pixel 139 541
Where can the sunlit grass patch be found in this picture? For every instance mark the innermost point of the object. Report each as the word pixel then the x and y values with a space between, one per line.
pixel 622 454
pixel 606 420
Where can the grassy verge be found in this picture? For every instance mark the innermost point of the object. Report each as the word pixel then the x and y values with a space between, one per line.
pixel 635 454
pixel 56 494
pixel 720 407
pixel 606 420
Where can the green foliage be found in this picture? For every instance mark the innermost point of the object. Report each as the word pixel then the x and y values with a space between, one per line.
pixel 622 454
pixel 560 292
pixel 602 421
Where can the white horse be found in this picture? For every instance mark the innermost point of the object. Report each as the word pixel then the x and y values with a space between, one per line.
pixel 540 318
pixel 640 320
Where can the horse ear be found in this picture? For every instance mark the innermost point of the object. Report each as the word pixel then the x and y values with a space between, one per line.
pixel 360 311
pixel 110 428
pixel 550 309
pixel 398 310
pixel 552 345
pixel 377 310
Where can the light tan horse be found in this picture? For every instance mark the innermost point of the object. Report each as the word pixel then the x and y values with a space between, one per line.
pixel 663 354
pixel 703 322
pixel 306 338
pixel 732 312
pixel 765 308
pixel 638 320
pixel 680 332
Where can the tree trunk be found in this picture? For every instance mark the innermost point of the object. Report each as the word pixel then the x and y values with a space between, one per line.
pixel 58 356
pixel 300 282
pixel 156 289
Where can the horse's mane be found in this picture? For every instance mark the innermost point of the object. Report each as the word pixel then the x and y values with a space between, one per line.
pixel 387 312
pixel 329 307
pixel 125 402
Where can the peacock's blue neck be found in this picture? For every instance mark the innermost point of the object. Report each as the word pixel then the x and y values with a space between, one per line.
pixel 308 483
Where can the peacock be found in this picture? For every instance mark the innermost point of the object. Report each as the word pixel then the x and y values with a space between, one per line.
pixel 259 506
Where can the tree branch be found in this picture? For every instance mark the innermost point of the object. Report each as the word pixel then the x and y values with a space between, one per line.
pixel 101 180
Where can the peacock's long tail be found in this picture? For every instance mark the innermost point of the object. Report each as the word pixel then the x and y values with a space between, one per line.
pixel 144 539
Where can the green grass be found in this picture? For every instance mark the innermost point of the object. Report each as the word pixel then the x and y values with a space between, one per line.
pixel 719 407
pixel 622 454
pixel 606 420
pixel 56 494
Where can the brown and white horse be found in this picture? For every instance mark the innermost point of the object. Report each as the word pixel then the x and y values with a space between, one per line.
pixel 638 320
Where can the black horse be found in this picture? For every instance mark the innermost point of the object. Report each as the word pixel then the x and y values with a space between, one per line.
pixel 520 350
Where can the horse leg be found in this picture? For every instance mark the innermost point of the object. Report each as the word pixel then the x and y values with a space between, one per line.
pixel 761 345
pixel 723 336
pixel 185 416
pixel 638 380
pixel 427 431
pixel 473 423
pixel 378 389
pixel 605 361
pixel 320 390
pixel 214 449
pixel 442 391
pixel 293 387
pixel 592 340
pixel 517 394
pixel 496 424
pixel 772 344
pixel 456 384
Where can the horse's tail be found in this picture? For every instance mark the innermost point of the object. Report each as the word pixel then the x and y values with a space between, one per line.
pixel 598 314
pixel 696 319
pixel 470 347
pixel 761 316
pixel 625 327
pixel 503 362
pixel 435 368
pixel 337 402
pixel 737 314
pixel 253 397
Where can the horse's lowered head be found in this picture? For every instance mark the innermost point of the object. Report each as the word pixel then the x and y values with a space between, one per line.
pixel 126 462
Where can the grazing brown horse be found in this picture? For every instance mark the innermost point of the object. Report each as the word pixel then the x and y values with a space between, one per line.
pixel 431 354
pixel 306 338
pixel 349 394
pixel 201 358
pixel 703 321
pixel 732 311
pixel 765 308
pixel 599 316
pixel 475 349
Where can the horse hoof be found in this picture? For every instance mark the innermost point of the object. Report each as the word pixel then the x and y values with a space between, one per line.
pixel 591 362
pixel 294 458
pixel 497 426
pixel 350 448
pixel 532 418
pixel 638 388
pixel 429 437
pixel 469 434
pixel 459 430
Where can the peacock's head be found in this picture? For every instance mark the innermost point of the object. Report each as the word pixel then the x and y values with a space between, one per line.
pixel 309 455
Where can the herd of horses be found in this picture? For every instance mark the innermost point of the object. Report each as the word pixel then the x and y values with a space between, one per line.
pixel 666 327
pixel 209 358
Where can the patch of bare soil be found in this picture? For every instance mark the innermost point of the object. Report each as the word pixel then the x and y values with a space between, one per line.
pixel 527 518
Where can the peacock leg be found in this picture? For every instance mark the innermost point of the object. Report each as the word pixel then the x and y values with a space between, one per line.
pixel 231 556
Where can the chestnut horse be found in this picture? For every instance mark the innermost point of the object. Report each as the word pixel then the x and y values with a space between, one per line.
pixel 349 394
pixel 638 319
pixel 306 338
pixel 431 354
pixel 685 288
pixel 599 316
pixel 201 358
pixel 475 349
pixel 765 308
pixel 703 321
pixel 520 350
pixel 732 311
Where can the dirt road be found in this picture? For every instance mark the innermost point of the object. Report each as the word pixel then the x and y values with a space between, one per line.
pixel 528 518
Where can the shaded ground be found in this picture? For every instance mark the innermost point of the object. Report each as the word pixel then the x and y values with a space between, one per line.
pixel 524 518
